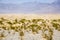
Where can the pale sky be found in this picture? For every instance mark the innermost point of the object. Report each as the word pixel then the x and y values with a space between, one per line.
pixel 29 6
pixel 22 1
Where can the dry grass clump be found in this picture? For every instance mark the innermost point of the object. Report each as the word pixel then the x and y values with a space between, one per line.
pixel 33 25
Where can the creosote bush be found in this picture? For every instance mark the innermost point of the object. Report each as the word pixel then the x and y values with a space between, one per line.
pixel 33 25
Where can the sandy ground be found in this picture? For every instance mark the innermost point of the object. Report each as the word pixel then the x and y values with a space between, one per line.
pixel 30 16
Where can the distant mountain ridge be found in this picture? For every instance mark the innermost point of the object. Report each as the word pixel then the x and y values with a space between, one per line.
pixel 30 7
pixel 57 2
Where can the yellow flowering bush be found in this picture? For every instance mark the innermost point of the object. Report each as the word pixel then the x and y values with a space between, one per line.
pixel 33 25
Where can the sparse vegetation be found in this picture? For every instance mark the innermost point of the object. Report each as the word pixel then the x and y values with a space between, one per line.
pixel 33 25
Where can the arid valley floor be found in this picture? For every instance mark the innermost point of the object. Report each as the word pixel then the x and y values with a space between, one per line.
pixel 11 34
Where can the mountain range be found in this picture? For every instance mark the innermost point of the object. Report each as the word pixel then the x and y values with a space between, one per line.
pixel 33 7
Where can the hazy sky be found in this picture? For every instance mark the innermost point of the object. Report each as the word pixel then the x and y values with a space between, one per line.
pixel 27 6
pixel 22 1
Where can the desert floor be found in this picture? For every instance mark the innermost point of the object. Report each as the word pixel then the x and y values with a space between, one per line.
pixel 28 36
